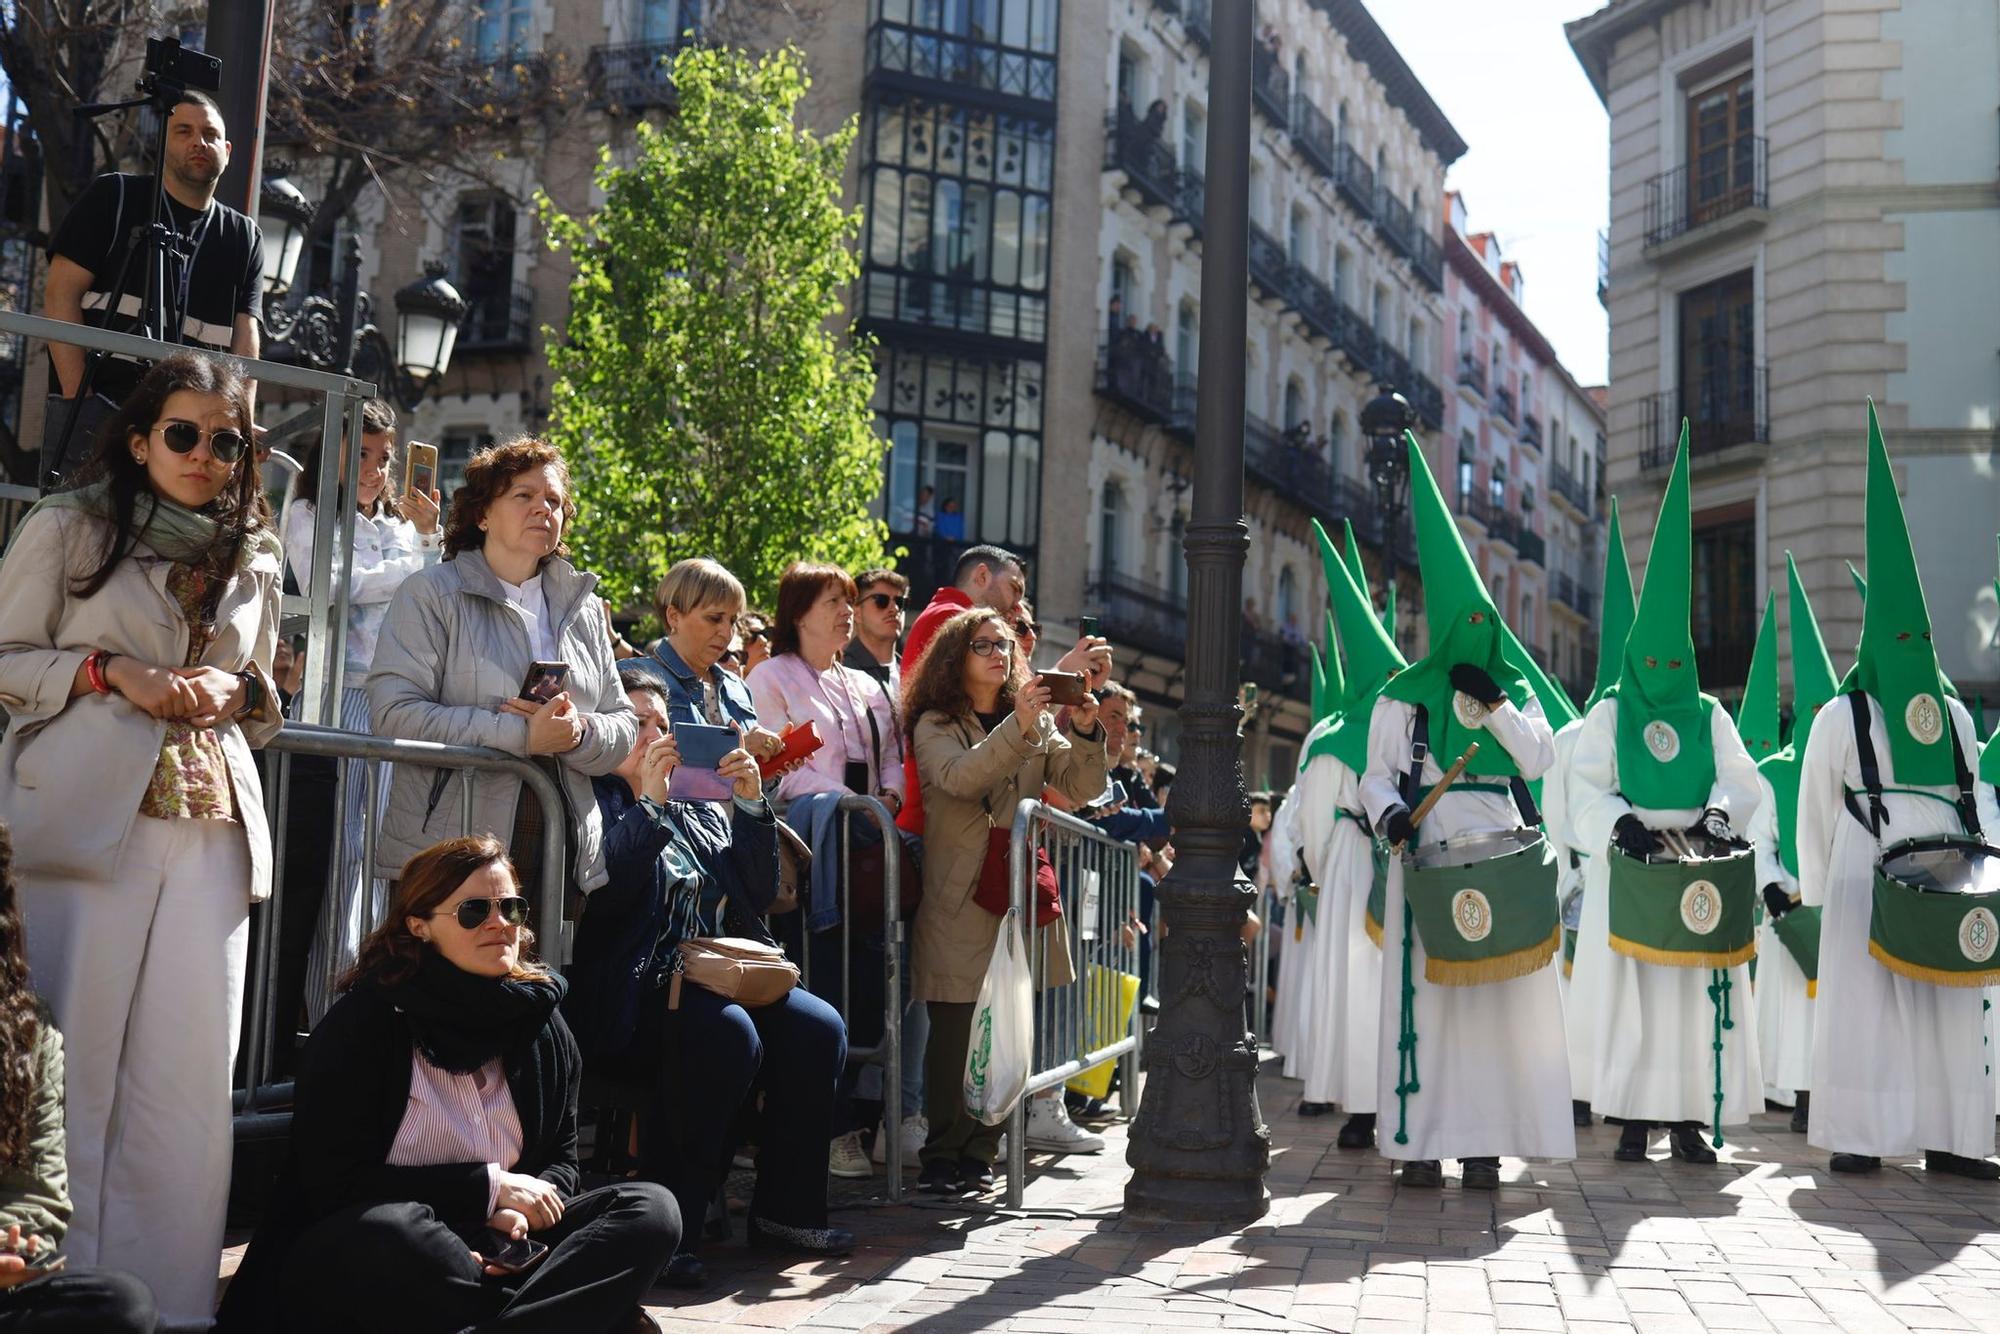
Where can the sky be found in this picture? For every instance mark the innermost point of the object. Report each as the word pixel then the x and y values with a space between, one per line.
pixel 1537 157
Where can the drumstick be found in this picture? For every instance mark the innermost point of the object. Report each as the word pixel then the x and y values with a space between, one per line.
pixel 1451 776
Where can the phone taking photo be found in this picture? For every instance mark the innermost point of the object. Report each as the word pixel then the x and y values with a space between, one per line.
pixel 1087 626
pixel 702 749
pixel 420 467
pixel 544 681
pixel 1066 689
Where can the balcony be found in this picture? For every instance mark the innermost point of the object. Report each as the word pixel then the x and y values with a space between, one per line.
pixel 1270 267
pixel 1427 258
pixel 1136 374
pixel 1603 268
pixel 1391 365
pixel 1565 486
pixel 1270 86
pixel 1277 663
pixel 1392 220
pixel 1191 202
pixel 929 62
pixel 1313 134
pixel 1503 526
pixel 1357 341
pixel 1565 589
pixel 1531 546
pixel 1472 372
pixel 1289 463
pixel 499 80
pixel 633 76
pixel 1531 430
pixel 1503 405
pixel 1142 615
pixel 1723 189
pixel 1200 27
pixel 1428 400
pixel 1353 499
pixel 498 319
pixel 1316 303
pixel 1180 418
pixel 1132 147
pixel 1723 411
pixel 1354 180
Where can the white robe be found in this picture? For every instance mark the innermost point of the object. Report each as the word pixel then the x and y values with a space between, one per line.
pixel 1579 988
pixel 1653 1054
pixel 1275 874
pixel 1784 1010
pixel 1899 1066
pixel 1341 1032
pixel 1989 824
pixel 1491 1069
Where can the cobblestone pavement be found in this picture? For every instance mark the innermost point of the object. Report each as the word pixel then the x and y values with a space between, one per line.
pixel 1768 1239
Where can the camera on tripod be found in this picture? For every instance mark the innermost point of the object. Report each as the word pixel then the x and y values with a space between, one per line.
pixel 172 69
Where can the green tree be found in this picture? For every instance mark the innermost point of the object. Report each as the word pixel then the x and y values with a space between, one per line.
pixel 709 395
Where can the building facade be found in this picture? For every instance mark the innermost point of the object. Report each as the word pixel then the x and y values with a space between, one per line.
pixel 1803 217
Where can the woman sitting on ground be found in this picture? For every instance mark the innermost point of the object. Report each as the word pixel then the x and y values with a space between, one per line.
pixel 435 1121
pixel 681 869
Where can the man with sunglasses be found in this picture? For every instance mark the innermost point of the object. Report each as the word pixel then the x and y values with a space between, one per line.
pixel 878 624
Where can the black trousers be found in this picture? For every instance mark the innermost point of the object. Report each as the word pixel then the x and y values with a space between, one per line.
pixel 387 1267
pixel 955 1132
pixel 79 1301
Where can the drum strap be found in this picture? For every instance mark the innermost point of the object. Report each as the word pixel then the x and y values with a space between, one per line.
pixel 1871 775
pixel 1420 749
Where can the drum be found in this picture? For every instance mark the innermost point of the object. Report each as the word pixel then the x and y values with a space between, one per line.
pixel 1691 906
pixel 1484 906
pixel 1936 915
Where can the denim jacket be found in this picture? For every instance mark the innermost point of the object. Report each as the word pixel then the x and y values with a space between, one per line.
pixel 663 665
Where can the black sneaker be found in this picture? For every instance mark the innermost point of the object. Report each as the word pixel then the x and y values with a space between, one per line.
pixel 1802 1113
pixel 1978 1169
pixel 1631 1143
pixel 1423 1172
pixel 940 1178
pixel 1855 1162
pixel 975 1176
pixel 1481 1173
pixel 1359 1132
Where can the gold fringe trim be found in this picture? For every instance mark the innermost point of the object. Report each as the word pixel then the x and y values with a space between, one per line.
pixel 1937 977
pixel 1632 949
pixel 1569 968
pixel 1812 988
pixel 1499 968
pixel 1373 928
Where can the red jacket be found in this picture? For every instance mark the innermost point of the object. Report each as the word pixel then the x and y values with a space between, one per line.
pixel 946 603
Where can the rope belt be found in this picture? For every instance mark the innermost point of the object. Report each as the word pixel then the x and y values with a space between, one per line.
pixel 1719 987
pixel 1406 1040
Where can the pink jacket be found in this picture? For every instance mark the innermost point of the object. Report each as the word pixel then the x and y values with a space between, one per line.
pixel 840 701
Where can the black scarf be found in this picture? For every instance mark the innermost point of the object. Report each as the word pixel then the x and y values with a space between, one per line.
pixel 460 1021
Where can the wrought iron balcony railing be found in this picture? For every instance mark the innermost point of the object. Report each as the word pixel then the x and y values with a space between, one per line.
pixel 1472 372
pixel 1136 373
pixel 1354 180
pixel 1392 220
pixel 1531 430
pixel 1316 303
pixel 1314 135
pixel 1146 159
pixel 499 319
pixel 1428 400
pixel 1566 486
pixel 1723 410
pixel 1143 615
pixel 1718 183
pixel 1270 267
pixel 1503 405
pixel 1357 340
pixel 899 50
pixel 1270 86
pixel 632 76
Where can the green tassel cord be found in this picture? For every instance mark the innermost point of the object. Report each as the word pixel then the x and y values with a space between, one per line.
pixel 1719 987
pixel 1406 1040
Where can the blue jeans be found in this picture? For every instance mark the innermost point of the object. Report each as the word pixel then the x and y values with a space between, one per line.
pixel 709 1054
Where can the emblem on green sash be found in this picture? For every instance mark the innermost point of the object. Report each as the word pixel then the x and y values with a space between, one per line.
pixel 1923 926
pixel 1684 914
pixel 1484 907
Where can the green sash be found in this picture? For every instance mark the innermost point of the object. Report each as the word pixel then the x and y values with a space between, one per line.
pixel 1378 891
pixel 1569 950
pixel 1488 920
pixel 1945 939
pixel 1684 914
pixel 1798 932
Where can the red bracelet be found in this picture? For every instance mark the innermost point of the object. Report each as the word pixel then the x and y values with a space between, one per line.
pixel 93 672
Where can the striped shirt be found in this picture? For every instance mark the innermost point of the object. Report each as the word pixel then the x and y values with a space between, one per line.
pixel 459 1119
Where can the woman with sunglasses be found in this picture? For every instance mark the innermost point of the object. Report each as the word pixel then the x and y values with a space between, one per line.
pixel 138 615
pixel 985 739
pixel 434 1128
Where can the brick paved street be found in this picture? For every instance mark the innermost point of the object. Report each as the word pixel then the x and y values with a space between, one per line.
pixel 1766 1240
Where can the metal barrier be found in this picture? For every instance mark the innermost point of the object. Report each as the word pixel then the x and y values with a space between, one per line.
pixel 260 1006
pixel 1273 916
pixel 890 1047
pixel 1074 1025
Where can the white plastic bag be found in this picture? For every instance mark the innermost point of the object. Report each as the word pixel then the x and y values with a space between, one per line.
pixel 1000 1055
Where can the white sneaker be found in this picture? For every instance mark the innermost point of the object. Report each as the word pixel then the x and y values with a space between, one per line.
pixel 914 1131
pixel 1051 1131
pixel 848 1160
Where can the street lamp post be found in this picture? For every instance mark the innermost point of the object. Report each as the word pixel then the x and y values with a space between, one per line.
pixel 341 334
pixel 1199 1147
pixel 1384 421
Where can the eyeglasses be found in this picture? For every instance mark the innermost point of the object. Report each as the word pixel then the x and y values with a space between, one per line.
pixel 472 913
pixel 985 648
pixel 882 601
pixel 1033 629
pixel 183 436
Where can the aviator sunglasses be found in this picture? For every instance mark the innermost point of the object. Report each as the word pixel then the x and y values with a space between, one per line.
pixel 182 436
pixel 472 913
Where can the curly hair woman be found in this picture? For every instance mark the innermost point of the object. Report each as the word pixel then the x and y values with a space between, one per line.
pixel 138 618
pixel 434 1124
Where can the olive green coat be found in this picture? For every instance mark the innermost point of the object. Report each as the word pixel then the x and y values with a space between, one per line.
pixel 35 1195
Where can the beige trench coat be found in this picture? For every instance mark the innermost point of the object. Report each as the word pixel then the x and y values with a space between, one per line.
pixel 954 935
pixel 73 771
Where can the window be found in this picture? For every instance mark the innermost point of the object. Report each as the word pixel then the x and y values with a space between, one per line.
pixel 1496 485
pixel 1468 453
pixel 1130 91
pixel 1298 240
pixel 1111 530
pixel 1340 266
pixel 661 22
pixel 1725 609
pixel 1464 332
pixel 1177 559
pixel 1295 406
pixel 1527 384
pixel 1382 170
pixel 969 428
pixel 1288 596
pixel 1526 629
pixel 1124 285
pixel 1379 312
pixel 502 29
pixel 455 450
pixel 1187 338
pixel 958 219
pixel 1194 137
pixel 1336 439
pixel 1717 357
pixel 1721 137
pixel 1340 125
pixel 483 266
pixel 1415 347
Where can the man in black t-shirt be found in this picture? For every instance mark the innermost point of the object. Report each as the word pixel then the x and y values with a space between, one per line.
pixel 97 263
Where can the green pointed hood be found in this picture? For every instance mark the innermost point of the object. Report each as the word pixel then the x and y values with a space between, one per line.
pixel 1354 566
pixel 1352 548
pixel 1813 681
pixel 1614 619
pixel 1331 682
pixel 1464 626
pixel 1757 720
pixel 1557 706
pixel 1372 661
pixel 1896 662
pixel 1860 582
pixel 1389 608
pixel 1319 705
pixel 1666 758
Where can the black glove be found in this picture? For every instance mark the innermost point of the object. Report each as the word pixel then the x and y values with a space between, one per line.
pixel 1633 838
pixel 1396 826
pixel 1715 823
pixel 1777 902
pixel 1477 682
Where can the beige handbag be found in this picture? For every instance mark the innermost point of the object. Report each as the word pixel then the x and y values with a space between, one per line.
pixel 736 968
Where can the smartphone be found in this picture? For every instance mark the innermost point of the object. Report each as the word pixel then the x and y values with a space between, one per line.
pixel 1086 627
pixel 544 681
pixel 508 1253
pixel 1065 688
pixel 420 467
pixel 702 748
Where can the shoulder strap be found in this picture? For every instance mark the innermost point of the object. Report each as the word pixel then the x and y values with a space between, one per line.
pixel 1968 805
pixel 1524 802
pixel 1420 750
pixel 1871 771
